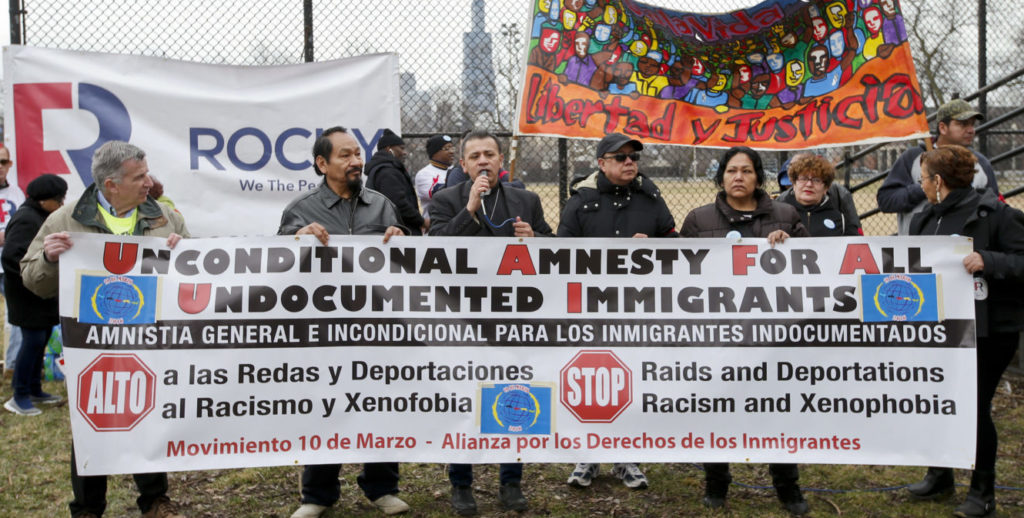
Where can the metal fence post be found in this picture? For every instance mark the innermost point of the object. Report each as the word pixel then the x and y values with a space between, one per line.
pixel 563 173
pixel 983 69
pixel 16 13
pixel 307 22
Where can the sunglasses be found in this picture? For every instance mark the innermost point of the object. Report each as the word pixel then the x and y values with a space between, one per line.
pixel 4 161
pixel 621 157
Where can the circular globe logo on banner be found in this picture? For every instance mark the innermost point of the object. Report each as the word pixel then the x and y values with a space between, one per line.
pixel 899 297
pixel 515 408
pixel 117 299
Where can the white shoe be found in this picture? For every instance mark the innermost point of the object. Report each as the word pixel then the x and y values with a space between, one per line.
pixel 583 474
pixel 13 406
pixel 631 475
pixel 309 511
pixel 391 504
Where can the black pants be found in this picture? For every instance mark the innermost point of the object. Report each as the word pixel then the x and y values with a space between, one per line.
pixel 91 492
pixel 320 483
pixel 994 354
pixel 718 478
pixel 462 474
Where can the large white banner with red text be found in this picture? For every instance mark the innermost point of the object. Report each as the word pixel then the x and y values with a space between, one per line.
pixel 279 351
pixel 232 145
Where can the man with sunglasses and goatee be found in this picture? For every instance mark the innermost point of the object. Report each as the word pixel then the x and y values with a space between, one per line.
pixel 615 201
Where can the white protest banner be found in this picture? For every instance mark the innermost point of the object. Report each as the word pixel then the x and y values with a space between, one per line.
pixel 231 144
pixel 279 351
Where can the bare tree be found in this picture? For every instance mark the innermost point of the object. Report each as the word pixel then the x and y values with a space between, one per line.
pixel 934 29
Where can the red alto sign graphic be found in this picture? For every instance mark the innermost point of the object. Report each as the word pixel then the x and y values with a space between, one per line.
pixel 596 386
pixel 115 392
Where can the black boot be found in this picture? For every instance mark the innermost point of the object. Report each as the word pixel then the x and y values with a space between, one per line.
pixel 937 483
pixel 786 479
pixel 716 484
pixel 981 499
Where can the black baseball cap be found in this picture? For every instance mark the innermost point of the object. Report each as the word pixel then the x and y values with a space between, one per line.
pixel 614 141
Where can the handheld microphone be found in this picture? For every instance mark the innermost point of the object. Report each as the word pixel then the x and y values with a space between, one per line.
pixel 485 173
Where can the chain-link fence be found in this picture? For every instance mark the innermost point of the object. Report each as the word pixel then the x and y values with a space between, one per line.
pixel 461 65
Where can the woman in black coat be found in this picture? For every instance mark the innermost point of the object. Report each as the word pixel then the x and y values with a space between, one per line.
pixel 34 315
pixel 743 209
pixel 997 264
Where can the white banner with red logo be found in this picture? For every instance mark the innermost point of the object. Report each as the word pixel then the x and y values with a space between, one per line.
pixel 232 145
pixel 243 352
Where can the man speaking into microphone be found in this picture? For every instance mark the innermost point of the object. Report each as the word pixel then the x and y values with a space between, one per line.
pixel 484 206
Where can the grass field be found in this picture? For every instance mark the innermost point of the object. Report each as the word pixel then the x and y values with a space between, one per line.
pixel 34 482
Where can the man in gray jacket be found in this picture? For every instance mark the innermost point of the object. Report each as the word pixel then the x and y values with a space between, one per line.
pixel 341 206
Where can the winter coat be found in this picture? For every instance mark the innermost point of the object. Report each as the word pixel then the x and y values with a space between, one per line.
pixel 599 208
pixel 901 191
pixel 388 176
pixel 997 230
pixel 40 275
pixel 717 219
pixel 365 214
pixel 449 217
pixel 824 219
pixel 24 308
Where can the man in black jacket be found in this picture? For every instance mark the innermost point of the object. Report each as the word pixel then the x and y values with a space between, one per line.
pixel 36 316
pixel 386 174
pixel 485 207
pixel 617 200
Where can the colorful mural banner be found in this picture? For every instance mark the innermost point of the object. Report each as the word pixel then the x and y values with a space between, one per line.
pixel 783 74
pixel 261 351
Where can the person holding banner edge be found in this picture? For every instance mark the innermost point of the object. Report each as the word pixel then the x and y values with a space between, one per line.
pixel 997 263
pixel 117 203
pixel 342 206
pixel 743 209
pixel 485 207
pixel 615 201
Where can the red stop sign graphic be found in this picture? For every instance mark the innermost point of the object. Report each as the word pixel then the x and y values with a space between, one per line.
pixel 115 392
pixel 596 386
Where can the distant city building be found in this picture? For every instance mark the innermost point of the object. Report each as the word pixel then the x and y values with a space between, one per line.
pixel 478 86
pixel 417 109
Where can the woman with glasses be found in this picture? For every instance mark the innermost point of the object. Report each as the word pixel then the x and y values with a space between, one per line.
pixel 997 263
pixel 814 199
pixel 743 209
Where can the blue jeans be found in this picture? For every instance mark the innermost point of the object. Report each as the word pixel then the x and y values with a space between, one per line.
pixel 28 371
pixel 14 340
pixel 462 474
